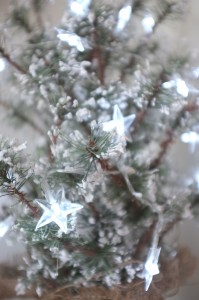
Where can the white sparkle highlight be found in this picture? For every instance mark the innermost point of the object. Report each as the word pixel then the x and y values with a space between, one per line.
pixel 196 72
pixel 2 64
pixel 196 178
pixel 191 138
pixel 71 39
pixel 124 16
pixel 182 88
pixel 80 7
pixel 169 84
pixel 148 23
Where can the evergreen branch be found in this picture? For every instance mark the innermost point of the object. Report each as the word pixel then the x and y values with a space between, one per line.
pixel 102 247
pixel 120 181
pixel 155 91
pixel 96 276
pixel 117 178
pixel 22 198
pixel 162 16
pixel 94 211
pixel 164 147
pixel 190 107
pixel 11 61
pixel 96 54
pixel 79 248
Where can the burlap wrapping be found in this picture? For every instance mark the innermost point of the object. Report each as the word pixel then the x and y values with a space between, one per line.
pixel 173 273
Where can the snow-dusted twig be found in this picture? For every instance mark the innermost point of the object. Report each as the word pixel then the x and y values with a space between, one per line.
pixel 13 63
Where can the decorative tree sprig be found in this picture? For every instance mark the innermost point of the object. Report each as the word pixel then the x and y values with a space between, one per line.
pixel 107 105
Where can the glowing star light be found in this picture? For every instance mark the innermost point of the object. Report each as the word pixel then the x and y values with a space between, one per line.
pixel 180 86
pixel 57 210
pixel 151 266
pixel 71 39
pixel 196 72
pixel 191 138
pixel 196 178
pixel 123 17
pixel 80 7
pixel 148 23
pixel 119 123
pixel 2 64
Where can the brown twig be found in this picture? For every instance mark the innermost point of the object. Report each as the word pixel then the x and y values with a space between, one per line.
pixel 166 12
pixel 164 145
pixel 119 181
pixel 11 61
pixel 190 107
pixel 117 178
pixel 144 241
pixel 155 90
pixel 97 55
pixel 22 198
pixel 94 211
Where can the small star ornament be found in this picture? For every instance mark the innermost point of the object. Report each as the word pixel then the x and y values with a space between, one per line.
pixel 119 124
pixel 124 16
pixel 71 39
pixel 56 210
pixel 80 7
pixel 191 138
pixel 151 266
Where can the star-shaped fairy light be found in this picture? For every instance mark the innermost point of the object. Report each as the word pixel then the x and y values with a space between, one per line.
pixel 148 23
pixel 56 209
pixel 191 138
pixel 71 39
pixel 151 266
pixel 119 123
pixel 80 7
pixel 124 16
pixel 180 85
pixel 2 64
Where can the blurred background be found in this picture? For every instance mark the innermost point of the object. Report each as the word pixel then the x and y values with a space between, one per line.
pixel 184 37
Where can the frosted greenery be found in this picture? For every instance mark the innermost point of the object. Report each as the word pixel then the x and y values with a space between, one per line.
pixel 107 102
